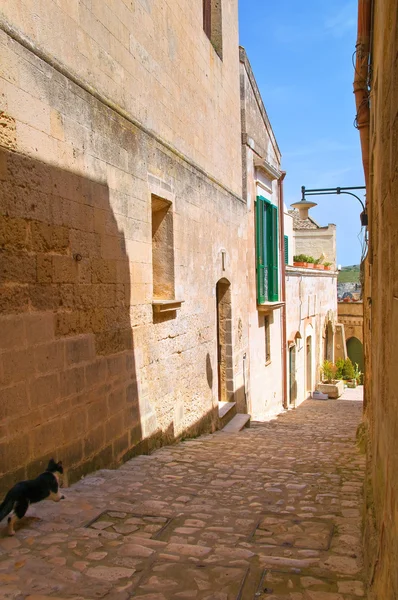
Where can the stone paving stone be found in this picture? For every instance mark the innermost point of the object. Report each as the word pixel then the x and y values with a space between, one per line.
pixel 274 507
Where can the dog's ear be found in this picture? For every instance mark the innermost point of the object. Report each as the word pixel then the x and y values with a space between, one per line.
pixel 60 468
pixel 51 465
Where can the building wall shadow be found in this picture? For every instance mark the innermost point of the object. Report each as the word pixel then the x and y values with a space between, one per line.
pixel 68 384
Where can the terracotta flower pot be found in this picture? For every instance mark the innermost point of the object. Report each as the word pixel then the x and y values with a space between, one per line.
pixel 319 267
pixel 327 268
pixel 300 264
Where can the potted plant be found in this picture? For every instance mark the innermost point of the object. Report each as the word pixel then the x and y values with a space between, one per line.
pixel 348 373
pixel 327 266
pixel 318 263
pixel 311 262
pixel 357 374
pixel 329 384
pixel 300 260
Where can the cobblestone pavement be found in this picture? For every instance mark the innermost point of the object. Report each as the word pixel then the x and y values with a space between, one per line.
pixel 272 512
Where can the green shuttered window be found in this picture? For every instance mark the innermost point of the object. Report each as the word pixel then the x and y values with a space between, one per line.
pixel 286 250
pixel 267 251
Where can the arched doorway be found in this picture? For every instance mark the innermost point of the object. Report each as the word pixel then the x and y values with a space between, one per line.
pixel 308 359
pixel 355 352
pixel 224 341
pixel 292 375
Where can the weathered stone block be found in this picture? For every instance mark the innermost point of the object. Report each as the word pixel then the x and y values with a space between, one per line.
pixel 79 350
pixel 49 357
pixel 97 412
pixel 17 267
pixel 42 437
pixel 74 425
pixel 96 372
pixel 39 327
pixel 49 238
pixel 44 390
pixel 13 231
pixel 12 332
pixel 13 401
pixel 65 269
pixel 14 455
pixel 72 381
pixel 94 440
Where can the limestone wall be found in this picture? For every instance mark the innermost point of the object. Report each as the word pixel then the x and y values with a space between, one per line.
pixel 88 372
pixel 152 59
pixel 381 311
pixel 351 316
pixel 311 301
pixel 315 242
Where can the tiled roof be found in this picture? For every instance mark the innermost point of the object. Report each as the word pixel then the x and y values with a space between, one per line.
pixel 302 224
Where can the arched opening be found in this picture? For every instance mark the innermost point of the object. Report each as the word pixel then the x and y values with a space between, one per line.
pixel 355 352
pixel 329 342
pixel 292 375
pixel 308 358
pixel 224 341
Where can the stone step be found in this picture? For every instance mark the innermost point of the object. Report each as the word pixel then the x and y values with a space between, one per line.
pixel 237 423
pixel 226 412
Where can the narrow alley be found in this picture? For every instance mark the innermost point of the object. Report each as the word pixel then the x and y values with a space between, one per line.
pixel 272 512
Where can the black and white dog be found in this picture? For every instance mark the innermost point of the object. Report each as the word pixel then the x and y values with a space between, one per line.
pixel 45 486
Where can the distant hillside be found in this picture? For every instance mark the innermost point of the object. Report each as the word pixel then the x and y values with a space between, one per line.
pixel 349 274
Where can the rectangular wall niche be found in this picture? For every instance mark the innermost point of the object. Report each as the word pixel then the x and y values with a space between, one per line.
pixel 212 23
pixel 162 249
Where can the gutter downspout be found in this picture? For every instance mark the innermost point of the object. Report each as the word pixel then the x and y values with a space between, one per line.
pixel 283 288
pixel 361 80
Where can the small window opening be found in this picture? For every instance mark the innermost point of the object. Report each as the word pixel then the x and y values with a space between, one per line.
pixel 162 249
pixel 212 23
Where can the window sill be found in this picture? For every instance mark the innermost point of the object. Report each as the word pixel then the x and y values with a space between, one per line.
pixel 163 306
pixel 269 306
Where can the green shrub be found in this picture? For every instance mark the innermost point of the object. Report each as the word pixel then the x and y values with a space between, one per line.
pixel 340 362
pixel 300 258
pixel 348 369
pixel 328 370
pixel 310 259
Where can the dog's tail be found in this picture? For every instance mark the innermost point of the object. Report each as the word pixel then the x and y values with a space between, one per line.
pixel 6 506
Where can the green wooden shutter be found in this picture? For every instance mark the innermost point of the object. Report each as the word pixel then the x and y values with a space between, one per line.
pixel 260 266
pixel 273 278
pixel 286 250
pixel 266 251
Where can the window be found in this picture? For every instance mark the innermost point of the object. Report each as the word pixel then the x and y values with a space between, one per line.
pixel 267 336
pixel 286 250
pixel 266 251
pixel 162 249
pixel 212 23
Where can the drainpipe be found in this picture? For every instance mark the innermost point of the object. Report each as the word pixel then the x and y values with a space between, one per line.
pixel 283 288
pixel 361 80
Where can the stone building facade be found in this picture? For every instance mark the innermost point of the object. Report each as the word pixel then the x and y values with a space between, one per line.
pixel 350 315
pixel 123 230
pixel 311 306
pixel 377 80
pixel 262 190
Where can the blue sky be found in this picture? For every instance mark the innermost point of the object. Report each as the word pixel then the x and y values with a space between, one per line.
pixel 301 55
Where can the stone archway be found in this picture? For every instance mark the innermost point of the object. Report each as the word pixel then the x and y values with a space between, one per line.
pixel 355 352
pixel 224 341
pixel 308 364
